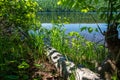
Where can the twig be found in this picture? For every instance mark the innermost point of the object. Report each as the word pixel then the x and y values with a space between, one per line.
pixel 97 25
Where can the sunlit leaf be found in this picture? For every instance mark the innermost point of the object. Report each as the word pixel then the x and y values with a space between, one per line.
pixel 66 22
pixel 59 17
pixel 90 29
pixel 59 2
pixel 85 10
pixel 75 3
pixel 23 65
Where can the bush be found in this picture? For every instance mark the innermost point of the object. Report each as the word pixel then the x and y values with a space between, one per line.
pixel 16 18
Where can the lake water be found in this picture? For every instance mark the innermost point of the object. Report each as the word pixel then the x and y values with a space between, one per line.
pixel 76 21
pixel 93 36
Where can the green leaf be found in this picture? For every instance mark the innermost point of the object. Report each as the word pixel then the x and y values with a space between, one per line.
pixel 85 10
pixel 90 29
pixel 37 65
pixel 75 3
pixel 59 2
pixel 83 28
pixel 23 65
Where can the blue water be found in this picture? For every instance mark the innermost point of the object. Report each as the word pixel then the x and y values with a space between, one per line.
pixel 93 36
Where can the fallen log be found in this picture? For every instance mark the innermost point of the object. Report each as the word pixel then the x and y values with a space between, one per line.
pixel 66 67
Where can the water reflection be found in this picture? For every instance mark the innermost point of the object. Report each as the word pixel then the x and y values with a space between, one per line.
pixel 72 17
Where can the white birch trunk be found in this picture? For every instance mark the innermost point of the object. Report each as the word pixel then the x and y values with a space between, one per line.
pixel 66 68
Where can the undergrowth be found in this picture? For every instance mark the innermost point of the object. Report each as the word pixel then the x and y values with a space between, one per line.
pixel 22 50
pixel 72 45
pixel 18 57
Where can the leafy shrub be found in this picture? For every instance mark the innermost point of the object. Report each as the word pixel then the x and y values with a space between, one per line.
pixel 16 18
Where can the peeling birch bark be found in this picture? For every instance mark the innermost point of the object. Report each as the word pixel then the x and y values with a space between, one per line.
pixel 66 67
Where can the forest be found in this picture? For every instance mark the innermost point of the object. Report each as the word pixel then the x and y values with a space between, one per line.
pixel 51 54
pixel 52 6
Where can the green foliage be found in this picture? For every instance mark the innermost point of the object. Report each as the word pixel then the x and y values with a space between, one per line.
pixel 81 5
pixel 51 5
pixel 23 65
pixel 103 7
pixel 109 10
pixel 72 77
pixel 15 49
pixel 18 50
pixel 19 12
pixel 89 29
pixel 73 45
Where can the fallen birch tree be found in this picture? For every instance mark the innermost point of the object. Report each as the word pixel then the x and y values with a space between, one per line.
pixel 66 67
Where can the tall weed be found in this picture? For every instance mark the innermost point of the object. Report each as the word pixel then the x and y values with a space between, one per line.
pixel 72 45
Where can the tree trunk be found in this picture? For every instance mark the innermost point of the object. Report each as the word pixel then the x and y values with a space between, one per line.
pixel 66 68
pixel 111 66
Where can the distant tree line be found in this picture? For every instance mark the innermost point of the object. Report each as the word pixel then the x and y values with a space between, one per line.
pixel 52 6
